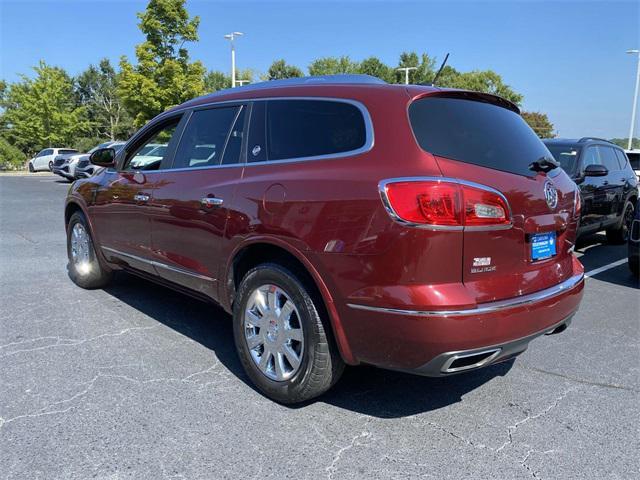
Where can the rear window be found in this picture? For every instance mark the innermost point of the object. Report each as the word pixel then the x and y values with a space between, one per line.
pixel 476 132
pixel 566 156
pixel 309 128
pixel 63 151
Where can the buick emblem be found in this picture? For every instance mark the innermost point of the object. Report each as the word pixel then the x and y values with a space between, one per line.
pixel 551 195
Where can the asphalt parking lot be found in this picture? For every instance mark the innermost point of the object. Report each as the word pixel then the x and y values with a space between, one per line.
pixel 137 381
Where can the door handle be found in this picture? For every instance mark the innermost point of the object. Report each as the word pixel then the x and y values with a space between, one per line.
pixel 141 197
pixel 211 202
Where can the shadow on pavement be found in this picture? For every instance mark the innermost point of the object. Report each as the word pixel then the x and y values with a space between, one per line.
pixel 367 390
pixel 596 252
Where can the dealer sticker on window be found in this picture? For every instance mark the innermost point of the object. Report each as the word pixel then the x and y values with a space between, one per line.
pixel 543 245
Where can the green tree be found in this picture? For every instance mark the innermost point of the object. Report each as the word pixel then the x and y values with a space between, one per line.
pixel 216 80
pixel 279 69
pixel 373 66
pixel 333 66
pixel 539 123
pixel 424 68
pixel 486 81
pixel 624 142
pixel 42 111
pixel 163 76
pixel 97 90
pixel 10 157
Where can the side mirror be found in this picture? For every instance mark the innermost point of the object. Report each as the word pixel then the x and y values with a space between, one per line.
pixel 103 157
pixel 594 170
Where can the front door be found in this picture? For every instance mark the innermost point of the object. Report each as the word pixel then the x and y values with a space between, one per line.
pixel 121 207
pixel 191 206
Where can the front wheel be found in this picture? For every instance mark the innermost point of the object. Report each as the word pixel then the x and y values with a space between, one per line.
pixel 85 268
pixel 31 169
pixel 283 343
pixel 620 234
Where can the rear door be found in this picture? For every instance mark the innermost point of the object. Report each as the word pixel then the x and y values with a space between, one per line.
pixel 593 190
pixel 477 139
pixel 613 184
pixel 121 210
pixel 191 205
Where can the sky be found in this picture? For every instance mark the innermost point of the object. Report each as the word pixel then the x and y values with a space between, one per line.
pixel 566 57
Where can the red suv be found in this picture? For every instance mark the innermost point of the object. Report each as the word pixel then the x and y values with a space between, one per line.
pixel 342 220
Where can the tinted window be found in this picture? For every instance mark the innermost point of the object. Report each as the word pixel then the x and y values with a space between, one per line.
pixel 609 159
pixel 48 151
pixel 622 158
pixel 234 142
pixel 204 137
pixel 591 157
pixel 476 132
pixel 566 156
pixel 145 158
pixel 308 128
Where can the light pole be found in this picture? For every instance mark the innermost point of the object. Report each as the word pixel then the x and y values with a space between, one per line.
pixel 406 73
pixel 231 37
pixel 635 100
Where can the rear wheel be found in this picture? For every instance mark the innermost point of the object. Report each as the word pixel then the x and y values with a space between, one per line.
pixel 85 268
pixel 620 234
pixel 283 343
pixel 50 166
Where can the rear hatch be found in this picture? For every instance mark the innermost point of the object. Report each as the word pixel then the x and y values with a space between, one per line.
pixel 482 139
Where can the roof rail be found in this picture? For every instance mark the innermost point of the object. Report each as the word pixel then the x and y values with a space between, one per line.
pixel 354 79
pixel 584 139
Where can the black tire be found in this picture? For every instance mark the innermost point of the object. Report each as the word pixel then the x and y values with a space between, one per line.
pixel 50 166
pixel 31 169
pixel 620 233
pixel 91 274
pixel 320 365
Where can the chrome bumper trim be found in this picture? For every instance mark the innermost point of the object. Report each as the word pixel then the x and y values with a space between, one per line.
pixel 488 307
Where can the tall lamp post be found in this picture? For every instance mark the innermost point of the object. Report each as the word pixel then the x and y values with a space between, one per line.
pixel 406 71
pixel 635 100
pixel 231 37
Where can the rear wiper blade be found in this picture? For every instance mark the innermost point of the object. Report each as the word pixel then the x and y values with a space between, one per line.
pixel 543 164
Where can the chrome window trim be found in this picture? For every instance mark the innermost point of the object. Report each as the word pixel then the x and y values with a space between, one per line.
pixel 368 143
pixel 483 308
pixel 159 264
pixel 382 189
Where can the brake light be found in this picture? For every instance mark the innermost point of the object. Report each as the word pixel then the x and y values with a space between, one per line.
pixel 444 203
pixel 577 204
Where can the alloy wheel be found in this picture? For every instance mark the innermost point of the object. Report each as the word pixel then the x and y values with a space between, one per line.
pixel 273 332
pixel 80 248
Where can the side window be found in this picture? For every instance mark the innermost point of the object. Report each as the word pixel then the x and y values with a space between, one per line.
pixel 257 144
pixel 48 151
pixel 234 144
pixel 591 157
pixel 205 136
pixel 152 151
pixel 622 158
pixel 41 153
pixel 608 158
pixel 309 128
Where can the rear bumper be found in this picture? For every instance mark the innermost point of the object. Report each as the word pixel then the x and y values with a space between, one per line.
pixel 434 342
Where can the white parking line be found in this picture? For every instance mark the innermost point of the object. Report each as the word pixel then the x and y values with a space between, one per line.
pixel 604 268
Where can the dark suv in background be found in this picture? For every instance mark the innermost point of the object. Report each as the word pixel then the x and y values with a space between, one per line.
pixel 608 184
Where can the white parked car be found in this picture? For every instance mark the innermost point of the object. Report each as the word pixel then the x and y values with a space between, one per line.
pixel 65 165
pixel 44 159
pixel 634 160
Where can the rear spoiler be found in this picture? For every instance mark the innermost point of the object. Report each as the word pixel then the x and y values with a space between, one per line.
pixel 417 93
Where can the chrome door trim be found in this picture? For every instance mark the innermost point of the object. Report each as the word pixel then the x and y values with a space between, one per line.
pixel 483 308
pixel 155 263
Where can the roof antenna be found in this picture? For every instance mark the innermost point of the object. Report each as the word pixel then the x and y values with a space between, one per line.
pixel 444 62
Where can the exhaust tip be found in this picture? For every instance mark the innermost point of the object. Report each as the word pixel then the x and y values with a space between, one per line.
pixel 468 361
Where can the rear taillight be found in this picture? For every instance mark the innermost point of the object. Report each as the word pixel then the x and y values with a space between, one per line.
pixel 444 203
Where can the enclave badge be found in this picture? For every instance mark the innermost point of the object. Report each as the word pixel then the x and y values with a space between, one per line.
pixel 551 194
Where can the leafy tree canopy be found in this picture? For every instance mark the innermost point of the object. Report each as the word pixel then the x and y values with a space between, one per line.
pixel 624 142
pixel 424 64
pixel 42 111
pixel 373 66
pixel 332 66
pixel 163 76
pixel 216 80
pixel 279 69
pixel 540 124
